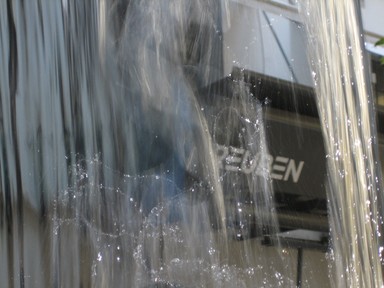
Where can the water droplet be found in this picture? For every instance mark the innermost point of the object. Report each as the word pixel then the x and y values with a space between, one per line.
pixel 175 261
pixel 250 271
pixel 267 101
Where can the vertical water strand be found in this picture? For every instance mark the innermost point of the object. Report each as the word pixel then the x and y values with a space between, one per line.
pixel 165 54
pixel 42 90
pixel 11 239
pixel 345 109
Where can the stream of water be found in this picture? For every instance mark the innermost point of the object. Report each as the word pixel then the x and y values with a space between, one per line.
pixel 345 103
pixel 117 152
pixel 108 171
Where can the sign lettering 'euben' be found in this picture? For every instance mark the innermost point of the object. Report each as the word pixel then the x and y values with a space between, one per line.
pixel 241 160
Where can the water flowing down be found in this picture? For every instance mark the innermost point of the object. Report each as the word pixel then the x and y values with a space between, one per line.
pixel 139 149
pixel 109 174
pixel 345 104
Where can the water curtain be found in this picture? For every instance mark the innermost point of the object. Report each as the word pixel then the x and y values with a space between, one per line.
pixel 109 175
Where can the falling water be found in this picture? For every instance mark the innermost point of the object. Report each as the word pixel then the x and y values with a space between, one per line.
pixel 120 156
pixel 109 174
pixel 345 106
